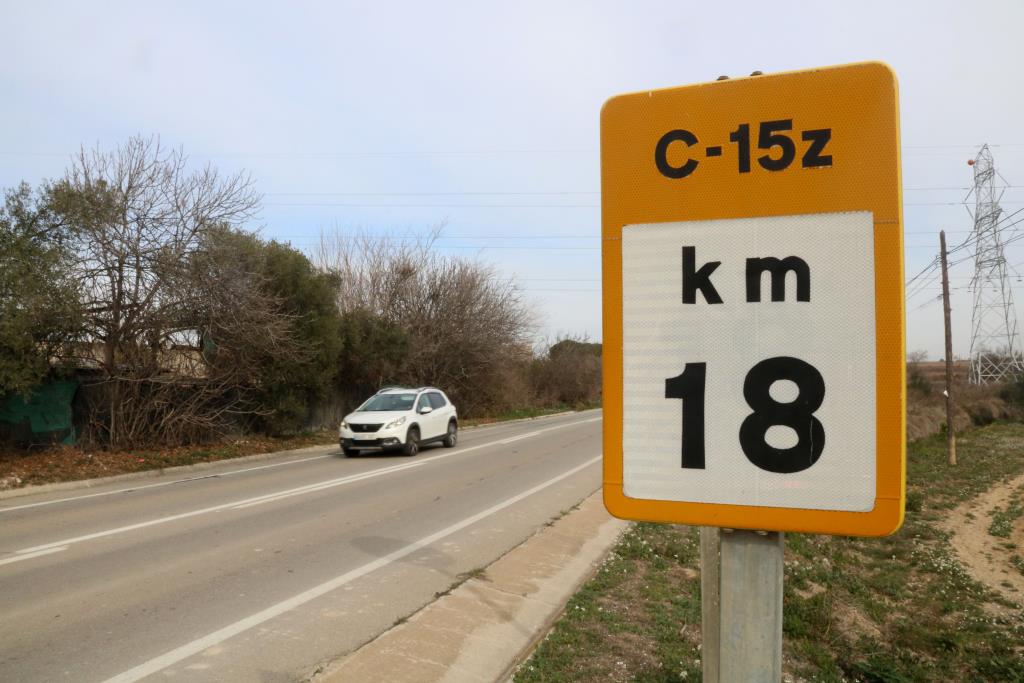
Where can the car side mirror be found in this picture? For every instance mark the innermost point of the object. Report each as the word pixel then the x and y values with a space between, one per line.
pixel 425 409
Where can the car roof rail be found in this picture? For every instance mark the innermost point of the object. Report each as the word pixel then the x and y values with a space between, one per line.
pixel 392 387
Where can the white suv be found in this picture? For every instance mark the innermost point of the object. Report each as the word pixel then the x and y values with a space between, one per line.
pixel 397 418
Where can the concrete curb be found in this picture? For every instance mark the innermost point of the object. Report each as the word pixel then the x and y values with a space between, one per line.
pixel 484 629
pixel 154 473
pixel 201 466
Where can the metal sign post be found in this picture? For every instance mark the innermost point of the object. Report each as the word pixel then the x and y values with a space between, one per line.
pixel 741 605
pixel 710 602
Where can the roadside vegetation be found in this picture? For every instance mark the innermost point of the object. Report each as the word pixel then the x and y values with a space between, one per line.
pixel 68 463
pixel 940 600
pixel 896 609
pixel 974 405
pixel 137 280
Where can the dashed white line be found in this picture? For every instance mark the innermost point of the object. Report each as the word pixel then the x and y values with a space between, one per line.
pixel 278 495
pixel 196 646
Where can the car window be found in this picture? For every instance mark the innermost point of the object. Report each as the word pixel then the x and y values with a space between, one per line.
pixel 388 402
pixel 436 400
pixel 422 403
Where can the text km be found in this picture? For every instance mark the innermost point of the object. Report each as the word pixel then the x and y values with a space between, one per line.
pixel 699 279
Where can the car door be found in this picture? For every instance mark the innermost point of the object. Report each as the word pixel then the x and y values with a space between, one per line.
pixel 442 411
pixel 427 421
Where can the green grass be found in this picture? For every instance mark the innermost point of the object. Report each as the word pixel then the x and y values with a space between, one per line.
pixel 894 609
pixel 620 609
pixel 1003 518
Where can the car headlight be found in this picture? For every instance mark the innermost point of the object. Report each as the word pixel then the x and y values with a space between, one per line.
pixel 395 423
pixel 344 425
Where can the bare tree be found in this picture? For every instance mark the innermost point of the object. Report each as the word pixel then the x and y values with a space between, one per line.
pixel 139 217
pixel 375 272
pixel 464 323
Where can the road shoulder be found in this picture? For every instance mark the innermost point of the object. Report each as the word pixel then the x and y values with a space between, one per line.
pixel 486 626
pixel 227 463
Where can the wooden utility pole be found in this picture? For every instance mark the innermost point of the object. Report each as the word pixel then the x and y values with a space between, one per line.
pixel 950 434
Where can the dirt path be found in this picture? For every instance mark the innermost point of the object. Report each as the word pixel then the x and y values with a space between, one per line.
pixel 986 556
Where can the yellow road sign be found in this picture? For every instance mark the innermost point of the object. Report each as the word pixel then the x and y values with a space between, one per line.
pixel 752 251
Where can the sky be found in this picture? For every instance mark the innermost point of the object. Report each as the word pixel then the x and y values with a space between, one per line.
pixel 391 118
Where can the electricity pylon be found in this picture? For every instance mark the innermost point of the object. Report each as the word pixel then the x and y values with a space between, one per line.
pixel 995 348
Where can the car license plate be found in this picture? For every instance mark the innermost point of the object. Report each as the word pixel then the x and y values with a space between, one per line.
pixel 363 437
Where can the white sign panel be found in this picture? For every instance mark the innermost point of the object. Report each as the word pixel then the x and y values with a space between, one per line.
pixel 732 331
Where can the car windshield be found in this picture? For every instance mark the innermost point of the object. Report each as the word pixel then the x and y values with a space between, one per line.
pixel 382 402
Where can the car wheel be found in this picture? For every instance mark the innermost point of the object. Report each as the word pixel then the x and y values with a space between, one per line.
pixel 412 442
pixel 452 437
pixel 350 452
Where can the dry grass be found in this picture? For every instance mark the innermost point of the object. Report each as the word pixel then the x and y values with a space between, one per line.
pixel 20 468
pixel 973 405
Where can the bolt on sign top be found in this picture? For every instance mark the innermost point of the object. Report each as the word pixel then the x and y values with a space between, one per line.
pixel 752 250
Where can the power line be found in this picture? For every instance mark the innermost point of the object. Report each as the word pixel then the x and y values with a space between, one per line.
pixel 1011 146
pixel 381 205
pixel 948 203
pixel 435 206
pixel 1011 240
pixel 426 194
pixel 562 290
pixel 522 193
pixel 485 247
pixel 504 236
pixel 384 236
pixel 964 189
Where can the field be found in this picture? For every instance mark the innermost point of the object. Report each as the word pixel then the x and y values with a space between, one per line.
pixel 940 600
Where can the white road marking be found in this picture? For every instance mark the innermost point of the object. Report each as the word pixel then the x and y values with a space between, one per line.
pixel 541 431
pixel 163 483
pixel 29 556
pixel 266 498
pixel 196 646
pixel 397 468
pixel 211 476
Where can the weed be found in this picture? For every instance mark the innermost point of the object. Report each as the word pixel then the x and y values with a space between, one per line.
pixel 887 610
pixel 1003 518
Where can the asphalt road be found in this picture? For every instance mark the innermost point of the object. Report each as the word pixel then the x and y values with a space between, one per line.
pixel 261 571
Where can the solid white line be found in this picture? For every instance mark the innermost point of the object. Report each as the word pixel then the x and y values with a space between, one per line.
pixel 277 495
pixel 196 646
pixel 541 431
pixel 163 483
pixel 38 553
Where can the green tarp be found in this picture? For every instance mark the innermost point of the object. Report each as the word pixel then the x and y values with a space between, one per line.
pixel 43 418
